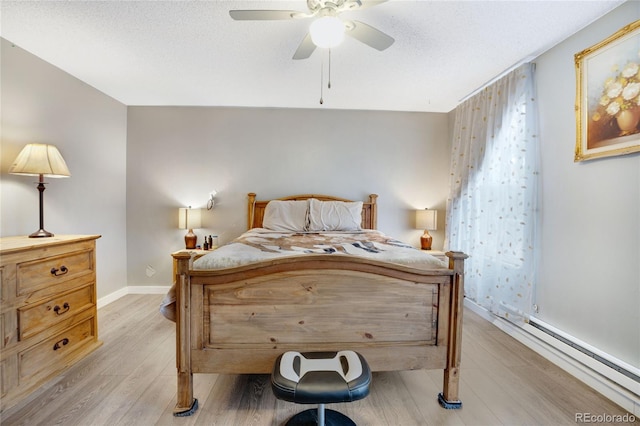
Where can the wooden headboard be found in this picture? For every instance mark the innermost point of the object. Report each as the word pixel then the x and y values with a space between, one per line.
pixel 256 208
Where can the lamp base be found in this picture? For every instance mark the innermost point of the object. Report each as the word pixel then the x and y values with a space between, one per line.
pixel 425 241
pixel 190 240
pixel 41 233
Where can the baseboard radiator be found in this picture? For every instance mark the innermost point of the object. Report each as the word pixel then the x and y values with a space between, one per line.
pixel 613 378
pixel 633 376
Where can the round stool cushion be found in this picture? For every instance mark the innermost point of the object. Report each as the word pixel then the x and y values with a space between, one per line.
pixel 321 377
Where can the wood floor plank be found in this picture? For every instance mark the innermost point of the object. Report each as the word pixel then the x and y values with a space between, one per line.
pixel 64 408
pixel 131 380
pixel 566 394
pixel 133 385
pixel 391 401
pixel 126 312
pixel 424 391
pixel 257 403
pixel 80 403
pixel 202 385
pixel 502 403
pixel 533 403
pixel 151 340
pixel 224 401
pixel 474 410
pixel 150 405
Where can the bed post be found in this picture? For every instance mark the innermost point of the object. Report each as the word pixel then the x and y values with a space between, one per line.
pixel 252 204
pixel 449 397
pixel 186 404
pixel 374 210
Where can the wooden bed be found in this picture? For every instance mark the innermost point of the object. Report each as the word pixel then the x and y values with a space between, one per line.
pixel 238 320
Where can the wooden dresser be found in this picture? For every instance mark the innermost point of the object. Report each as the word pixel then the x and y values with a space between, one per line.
pixel 48 316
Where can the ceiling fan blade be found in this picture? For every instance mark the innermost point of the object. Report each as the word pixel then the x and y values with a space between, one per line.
pixel 305 49
pixel 369 35
pixel 263 15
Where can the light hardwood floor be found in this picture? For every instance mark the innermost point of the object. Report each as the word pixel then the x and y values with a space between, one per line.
pixel 131 380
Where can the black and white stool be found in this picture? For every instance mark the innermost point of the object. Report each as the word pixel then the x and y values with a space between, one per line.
pixel 320 378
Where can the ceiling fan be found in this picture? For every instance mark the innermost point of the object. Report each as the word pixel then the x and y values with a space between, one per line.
pixel 324 12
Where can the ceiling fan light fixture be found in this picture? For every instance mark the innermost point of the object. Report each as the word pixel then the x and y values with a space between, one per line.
pixel 327 32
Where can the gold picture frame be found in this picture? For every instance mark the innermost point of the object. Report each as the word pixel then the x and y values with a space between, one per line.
pixel 608 96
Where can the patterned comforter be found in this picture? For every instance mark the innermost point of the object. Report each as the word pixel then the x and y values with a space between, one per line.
pixel 261 244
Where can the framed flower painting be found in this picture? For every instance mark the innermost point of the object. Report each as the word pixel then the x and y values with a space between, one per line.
pixel 608 96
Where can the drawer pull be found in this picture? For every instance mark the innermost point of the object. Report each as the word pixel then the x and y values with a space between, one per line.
pixel 60 344
pixel 57 272
pixel 59 311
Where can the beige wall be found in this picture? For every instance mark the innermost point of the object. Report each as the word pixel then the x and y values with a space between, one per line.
pixel 176 155
pixel 41 103
pixel 589 273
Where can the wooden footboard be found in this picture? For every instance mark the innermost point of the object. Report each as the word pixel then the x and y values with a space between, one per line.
pixel 238 320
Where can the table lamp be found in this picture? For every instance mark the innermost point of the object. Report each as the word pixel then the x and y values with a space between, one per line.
pixel 37 159
pixel 189 218
pixel 426 219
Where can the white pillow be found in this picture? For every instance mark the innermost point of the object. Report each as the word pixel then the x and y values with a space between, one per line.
pixel 335 215
pixel 286 215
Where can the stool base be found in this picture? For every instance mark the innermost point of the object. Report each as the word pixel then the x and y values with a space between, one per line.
pixel 310 418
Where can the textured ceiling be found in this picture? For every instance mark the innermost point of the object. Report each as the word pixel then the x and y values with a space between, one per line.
pixel 193 53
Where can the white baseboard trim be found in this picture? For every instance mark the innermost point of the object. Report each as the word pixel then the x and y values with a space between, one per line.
pixel 142 289
pixel 618 388
pixel 110 298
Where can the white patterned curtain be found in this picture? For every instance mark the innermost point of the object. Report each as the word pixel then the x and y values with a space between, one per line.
pixel 492 205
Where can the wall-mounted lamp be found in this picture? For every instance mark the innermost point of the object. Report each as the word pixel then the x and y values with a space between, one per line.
pixel 37 159
pixel 211 201
pixel 428 220
pixel 189 218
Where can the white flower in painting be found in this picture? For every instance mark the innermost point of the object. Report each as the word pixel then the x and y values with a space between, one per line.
pixel 620 92
pixel 631 91
pixel 614 89
pixel 613 108
pixel 630 70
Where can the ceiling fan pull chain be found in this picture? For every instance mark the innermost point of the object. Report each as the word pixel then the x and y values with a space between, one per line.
pixel 321 78
pixel 329 85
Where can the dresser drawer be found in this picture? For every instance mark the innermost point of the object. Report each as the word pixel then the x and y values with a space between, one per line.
pixel 52 354
pixel 45 272
pixel 37 317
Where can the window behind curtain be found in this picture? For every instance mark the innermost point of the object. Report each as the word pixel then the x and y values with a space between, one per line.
pixel 492 208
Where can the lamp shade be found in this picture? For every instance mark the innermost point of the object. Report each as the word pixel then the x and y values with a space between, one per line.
pixel 40 159
pixel 189 218
pixel 427 219
pixel 327 32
